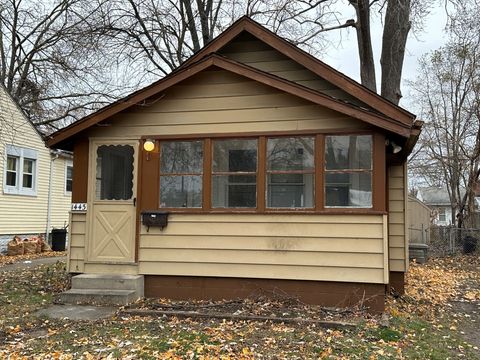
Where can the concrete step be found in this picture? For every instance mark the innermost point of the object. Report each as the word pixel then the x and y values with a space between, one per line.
pixel 98 296
pixel 109 281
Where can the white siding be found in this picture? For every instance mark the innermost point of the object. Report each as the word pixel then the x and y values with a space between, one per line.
pixel 28 214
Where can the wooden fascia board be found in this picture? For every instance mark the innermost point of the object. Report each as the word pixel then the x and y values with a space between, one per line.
pixel 311 95
pixel 311 63
pixel 240 69
pixel 125 103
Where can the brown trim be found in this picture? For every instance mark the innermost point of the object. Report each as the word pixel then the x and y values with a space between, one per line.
pixel 276 211
pixel 379 173
pixel 261 174
pixel 310 62
pixel 326 293
pixel 260 133
pixel 207 180
pixel 319 172
pixel 240 69
pixel 80 174
pixel 397 282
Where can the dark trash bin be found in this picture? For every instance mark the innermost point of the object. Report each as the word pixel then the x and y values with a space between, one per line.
pixel 59 238
pixel 469 244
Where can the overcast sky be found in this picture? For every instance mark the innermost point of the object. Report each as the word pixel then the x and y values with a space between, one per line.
pixel 345 57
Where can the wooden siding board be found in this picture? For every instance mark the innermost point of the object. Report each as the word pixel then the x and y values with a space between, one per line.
pixel 264 271
pixel 238 242
pixel 397 219
pixel 272 257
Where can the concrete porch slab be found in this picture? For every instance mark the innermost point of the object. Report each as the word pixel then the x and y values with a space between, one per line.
pixel 77 312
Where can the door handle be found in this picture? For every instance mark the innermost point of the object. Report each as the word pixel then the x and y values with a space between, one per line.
pixel 134 201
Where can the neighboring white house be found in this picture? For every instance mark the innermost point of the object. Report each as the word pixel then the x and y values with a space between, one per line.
pixel 438 200
pixel 35 194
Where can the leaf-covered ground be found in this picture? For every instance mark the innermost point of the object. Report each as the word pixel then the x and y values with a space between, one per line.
pixel 7 260
pixel 437 319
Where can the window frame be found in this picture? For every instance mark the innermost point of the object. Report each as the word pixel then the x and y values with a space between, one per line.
pixel 379 182
pixel 20 154
pixel 178 174
pixel 68 163
pixel 349 171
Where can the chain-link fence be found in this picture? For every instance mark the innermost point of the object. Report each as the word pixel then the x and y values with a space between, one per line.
pixel 447 240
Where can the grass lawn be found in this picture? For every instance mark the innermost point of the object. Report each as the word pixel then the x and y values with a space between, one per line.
pixel 429 322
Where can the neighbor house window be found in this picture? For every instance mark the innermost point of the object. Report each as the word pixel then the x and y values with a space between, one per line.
pixel 442 216
pixel 68 177
pixel 234 173
pixel 348 171
pixel 290 172
pixel 20 171
pixel 181 169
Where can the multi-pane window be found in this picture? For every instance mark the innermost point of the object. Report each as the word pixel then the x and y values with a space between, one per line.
pixel 68 177
pixel 290 172
pixel 348 171
pixel 268 173
pixel 181 169
pixel 20 171
pixel 234 173
pixel 12 171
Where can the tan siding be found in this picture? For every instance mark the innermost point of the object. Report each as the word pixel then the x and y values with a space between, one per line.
pixel 228 107
pixel 28 214
pixel 308 247
pixel 76 251
pixel 396 218
pixel 255 53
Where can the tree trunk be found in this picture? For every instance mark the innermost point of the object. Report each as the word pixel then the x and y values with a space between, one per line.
pixel 395 32
pixel 364 41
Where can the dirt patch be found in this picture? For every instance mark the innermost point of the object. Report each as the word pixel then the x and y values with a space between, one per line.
pixel 256 307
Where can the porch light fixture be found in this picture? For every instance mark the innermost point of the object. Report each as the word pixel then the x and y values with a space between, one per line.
pixel 148 145
pixel 395 148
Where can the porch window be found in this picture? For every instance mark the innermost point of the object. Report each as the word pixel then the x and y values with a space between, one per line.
pixel 20 171
pixel 234 173
pixel 348 171
pixel 290 172
pixel 181 168
pixel 309 172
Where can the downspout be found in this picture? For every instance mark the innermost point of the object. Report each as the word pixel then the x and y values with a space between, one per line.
pixel 49 203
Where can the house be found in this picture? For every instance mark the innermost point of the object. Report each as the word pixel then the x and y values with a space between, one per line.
pixel 438 200
pixel 257 168
pixel 36 181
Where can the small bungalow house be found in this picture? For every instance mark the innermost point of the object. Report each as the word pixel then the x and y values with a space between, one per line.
pixel 36 181
pixel 253 167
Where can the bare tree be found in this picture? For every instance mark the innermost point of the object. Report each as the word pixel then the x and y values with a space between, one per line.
pixel 49 58
pixel 448 89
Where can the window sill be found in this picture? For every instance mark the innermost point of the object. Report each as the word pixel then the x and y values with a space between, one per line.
pixel 336 211
pixel 19 192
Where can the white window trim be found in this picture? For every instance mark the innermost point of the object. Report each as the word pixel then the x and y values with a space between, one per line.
pixel 67 164
pixel 21 154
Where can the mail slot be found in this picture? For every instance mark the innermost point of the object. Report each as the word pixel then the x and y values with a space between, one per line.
pixel 155 218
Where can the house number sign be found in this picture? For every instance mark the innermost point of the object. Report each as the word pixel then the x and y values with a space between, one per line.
pixel 79 207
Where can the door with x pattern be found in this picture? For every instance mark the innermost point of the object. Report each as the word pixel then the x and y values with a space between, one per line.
pixel 112 202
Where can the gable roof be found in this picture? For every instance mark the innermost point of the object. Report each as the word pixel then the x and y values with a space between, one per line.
pixel 389 117
pixel 8 97
pixel 310 62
